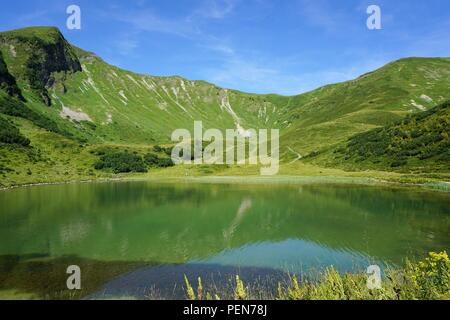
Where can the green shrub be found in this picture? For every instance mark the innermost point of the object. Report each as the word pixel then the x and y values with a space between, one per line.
pixel 121 162
pixel 151 159
pixel 16 108
pixel 157 149
pixel 154 160
pixel 398 163
pixel 166 163
pixel 431 277
pixel 168 151
pixel 10 134
pixel 423 136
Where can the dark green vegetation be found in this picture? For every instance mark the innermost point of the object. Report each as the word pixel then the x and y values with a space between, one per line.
pixel 45 56
pixel 9 134
pixel 68 102
pixel 153 159
pixel 334 113
pixel 14 107
pixel 7 82
pixel 418 142
pixel 121 162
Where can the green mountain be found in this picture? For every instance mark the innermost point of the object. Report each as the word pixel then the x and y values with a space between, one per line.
pixel 69 103
pixel 420 142
pixel 103 103
pixel 334 113
pixel 7 81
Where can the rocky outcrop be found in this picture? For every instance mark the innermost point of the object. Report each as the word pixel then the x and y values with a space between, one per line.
pixel 44 58
pixel 7 81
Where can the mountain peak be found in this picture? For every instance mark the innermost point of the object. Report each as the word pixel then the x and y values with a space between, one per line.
pixel 46 34
pixel 35 55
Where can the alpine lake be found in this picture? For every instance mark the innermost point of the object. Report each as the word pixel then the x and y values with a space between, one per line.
pixel 139 239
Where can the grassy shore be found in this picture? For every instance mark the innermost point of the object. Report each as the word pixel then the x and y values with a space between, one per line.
pixel 56 159
pixel 188 174
pixel 426 280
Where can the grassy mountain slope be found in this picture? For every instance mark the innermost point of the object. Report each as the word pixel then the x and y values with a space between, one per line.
pixel 418 143
pixel 37 57
pixel 7 81
pixel 10 134
pixel 50 157
pixel 333 113
pixel 59 95
pixel 129 107
pixel 103 103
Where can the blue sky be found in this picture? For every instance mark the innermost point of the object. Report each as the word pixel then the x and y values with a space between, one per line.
pixel 262 46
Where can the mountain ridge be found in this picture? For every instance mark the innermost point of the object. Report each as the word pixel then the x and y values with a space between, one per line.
pixel 38 54
pixel 74 93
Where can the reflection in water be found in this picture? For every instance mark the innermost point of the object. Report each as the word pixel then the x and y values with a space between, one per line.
pixel 166 281
pixel 277 228
pixel 291 256
pixel 73 232
pixel 245 206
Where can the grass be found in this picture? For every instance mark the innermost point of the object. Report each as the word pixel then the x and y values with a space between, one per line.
pixel 56 159
pixel 121 162
pixel 109 107
pixel 332 114
pixel 417 144
pixel 9 134
pixel 50 158
pixel 131 115
pixel 426 280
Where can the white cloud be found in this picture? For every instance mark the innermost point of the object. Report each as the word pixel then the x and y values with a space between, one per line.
pixel 220 48
pixel 147 21
pixel 319 14
pixel 433 43
pixel 247 73
pixel 126 44
pixel 215 9
pixel 188 26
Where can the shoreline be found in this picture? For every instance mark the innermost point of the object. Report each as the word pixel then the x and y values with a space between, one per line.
pixel 438 186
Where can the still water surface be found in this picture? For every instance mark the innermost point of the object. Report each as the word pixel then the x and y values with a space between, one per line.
pixel 130 236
